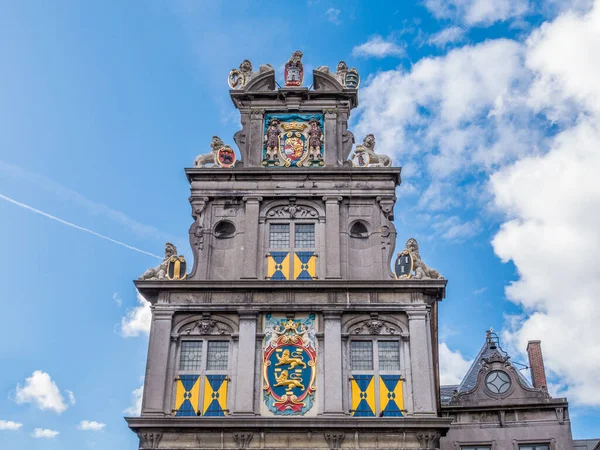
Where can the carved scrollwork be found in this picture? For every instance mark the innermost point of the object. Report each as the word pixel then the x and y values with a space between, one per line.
pixel 292 211
pixel 429 439
pixel 207 326
pixel 334 440
pixel 375 327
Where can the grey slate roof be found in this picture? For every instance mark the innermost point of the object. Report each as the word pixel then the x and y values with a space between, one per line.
pixel 470 378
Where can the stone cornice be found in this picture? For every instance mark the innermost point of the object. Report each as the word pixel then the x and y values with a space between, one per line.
pixel 289 423
pixel 525 404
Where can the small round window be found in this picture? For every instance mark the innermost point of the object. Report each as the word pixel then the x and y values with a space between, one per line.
pixel 359 230
pixel 497 381
pixel 224 229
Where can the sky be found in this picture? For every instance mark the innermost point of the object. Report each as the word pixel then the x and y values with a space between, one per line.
pixel 492 108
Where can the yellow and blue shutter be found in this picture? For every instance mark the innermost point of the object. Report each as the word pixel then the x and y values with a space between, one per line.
pixel 215 395
pixel 305 265
pixel 363 395
pixel 391 399
pixel 278 266
pixel 186 395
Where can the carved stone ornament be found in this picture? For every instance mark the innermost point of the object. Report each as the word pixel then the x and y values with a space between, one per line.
pixel 429 439
pixel 367 148
pixel 375 326
pixel 238 78
pixel 349 78
pixel 292 211
pixel 169 268
pixel 221 155
pixel 242 440
pixel 334 440
pixel 207 326
pixel 149 440
pixel 410 265
pixel 294 70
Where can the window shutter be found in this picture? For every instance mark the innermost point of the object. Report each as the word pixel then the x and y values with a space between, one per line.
pixel 215 395
pixel 186 395
pixel 305 266
pixel 278 266
pixel 363 395
pixel 391 397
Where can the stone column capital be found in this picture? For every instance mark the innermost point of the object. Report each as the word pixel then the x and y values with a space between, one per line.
pixel 332 315
pixel 419 314
pixel 163 314
pixel 248 315
pixel 333 199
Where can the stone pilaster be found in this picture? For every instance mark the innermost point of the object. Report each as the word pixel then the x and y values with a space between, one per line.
pixel 251 233
pixel 332 237
pixel 244 380
pixel 332 358
pixel 421 364
pixel 155 385
pixel 331 144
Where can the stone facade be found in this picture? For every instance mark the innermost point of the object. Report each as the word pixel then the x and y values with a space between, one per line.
pixel 291 331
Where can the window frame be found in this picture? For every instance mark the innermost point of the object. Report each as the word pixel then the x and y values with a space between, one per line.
pixel 291 248
pixel 377 371
pixel 203 371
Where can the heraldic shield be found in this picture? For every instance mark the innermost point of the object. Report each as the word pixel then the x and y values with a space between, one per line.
pixel 289 365
pixel 176 268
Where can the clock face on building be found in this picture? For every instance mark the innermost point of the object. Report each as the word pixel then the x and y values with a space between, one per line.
pixel 497 381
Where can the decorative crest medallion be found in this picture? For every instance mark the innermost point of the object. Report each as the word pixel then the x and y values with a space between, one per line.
pixel 225 157
pixel 352 79
pixel 293 140
pixel 289 365
pixel 176 268
pixel 404 266
pixel 360 158
pixel 294 70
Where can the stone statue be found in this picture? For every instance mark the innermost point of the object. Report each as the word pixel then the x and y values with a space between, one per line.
pixel 294 70
pixel 341 71
pixel 160 271
pixel 375 159
pixel 272 140
pixel 210 158
pixel 422 272
pixel 315 140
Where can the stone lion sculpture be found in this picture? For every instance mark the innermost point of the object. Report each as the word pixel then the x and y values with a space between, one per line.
pixel 160 272
pixel 422 271
pixel 375 159
pixel 209 158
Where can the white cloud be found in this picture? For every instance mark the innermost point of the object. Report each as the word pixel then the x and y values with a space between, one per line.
pixel 333 15
pixel 137 320
pixel 117 298
pixel 44 433
pixel 453 366
pixel 447 36
pixel 40 390
pixel 70 396
pixel 378 47
pixel 10 425
pixel 135 409
pixel 454 229
pixel 552 203
pixel 478 12
pixel 91 425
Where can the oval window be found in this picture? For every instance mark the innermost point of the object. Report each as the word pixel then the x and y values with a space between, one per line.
pixel 497 381
pixel 224 229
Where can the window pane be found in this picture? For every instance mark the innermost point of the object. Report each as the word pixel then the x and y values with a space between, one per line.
pixel 362 355
pixel 191 355
pixel 279 235
pixel 305 235
pixel 218 355
pixel 389 355
pixel 534 447
pixel 478 447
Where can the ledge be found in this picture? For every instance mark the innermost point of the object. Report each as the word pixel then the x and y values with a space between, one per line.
pixel 280 173
pixel 319 423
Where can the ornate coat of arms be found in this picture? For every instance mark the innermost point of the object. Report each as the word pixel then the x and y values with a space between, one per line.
pixel 289 365
pixel 176 268
pixel 225 157
pixel 293 140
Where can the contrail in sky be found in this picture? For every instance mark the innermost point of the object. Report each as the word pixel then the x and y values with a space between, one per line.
pixel 42 213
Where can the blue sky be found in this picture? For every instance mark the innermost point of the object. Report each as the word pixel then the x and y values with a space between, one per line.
pixel 492 112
